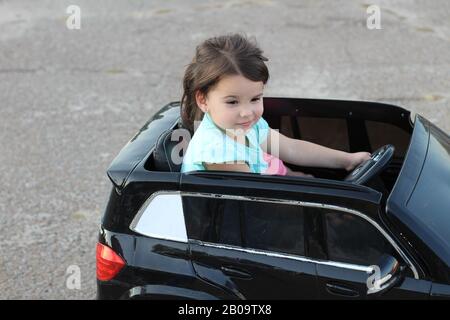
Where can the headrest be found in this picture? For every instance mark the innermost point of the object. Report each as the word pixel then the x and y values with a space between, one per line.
pixel 170 149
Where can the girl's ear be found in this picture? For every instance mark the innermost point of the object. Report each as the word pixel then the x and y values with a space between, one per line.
pixel 200 98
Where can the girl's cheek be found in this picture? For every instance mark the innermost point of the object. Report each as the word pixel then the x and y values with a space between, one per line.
pixel 259 111
pixel 230 117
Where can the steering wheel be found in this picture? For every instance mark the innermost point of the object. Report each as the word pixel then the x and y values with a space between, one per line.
pixel 372 167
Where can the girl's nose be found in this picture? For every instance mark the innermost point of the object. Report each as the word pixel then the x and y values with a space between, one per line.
pixel 245 112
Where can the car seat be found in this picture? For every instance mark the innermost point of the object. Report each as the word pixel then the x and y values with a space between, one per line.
pixel 165 158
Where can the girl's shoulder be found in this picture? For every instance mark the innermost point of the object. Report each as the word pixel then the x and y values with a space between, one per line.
pixel 207 133
pixel 261 130
pixel 262 124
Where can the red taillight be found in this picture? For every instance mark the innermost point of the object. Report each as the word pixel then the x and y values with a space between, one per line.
pixel 109 263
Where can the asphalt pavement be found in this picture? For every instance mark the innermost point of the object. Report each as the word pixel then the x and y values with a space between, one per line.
pixel 71 98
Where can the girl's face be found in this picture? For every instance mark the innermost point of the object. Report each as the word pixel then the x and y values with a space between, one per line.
pixel 234 103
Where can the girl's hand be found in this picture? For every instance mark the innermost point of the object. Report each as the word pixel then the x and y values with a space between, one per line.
pixel 355 159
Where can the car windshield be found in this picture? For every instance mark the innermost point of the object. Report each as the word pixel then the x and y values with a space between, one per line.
pixel 420 198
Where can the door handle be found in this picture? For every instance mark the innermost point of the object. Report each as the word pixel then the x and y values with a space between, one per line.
pixel 233 272
pixel 341 290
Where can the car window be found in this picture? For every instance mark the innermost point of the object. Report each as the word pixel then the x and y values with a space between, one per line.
pixel 329 132
pixel 381 133
pixel 273 227
pixel 212 220
pixel 249 224
pixel 352 239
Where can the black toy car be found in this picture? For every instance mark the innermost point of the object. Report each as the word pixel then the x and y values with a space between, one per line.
pixel 381 231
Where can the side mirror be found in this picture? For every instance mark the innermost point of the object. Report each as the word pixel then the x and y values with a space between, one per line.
pixel 384 276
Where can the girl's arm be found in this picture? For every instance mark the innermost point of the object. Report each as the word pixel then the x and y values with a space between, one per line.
pixel 228 166
pixel 308 154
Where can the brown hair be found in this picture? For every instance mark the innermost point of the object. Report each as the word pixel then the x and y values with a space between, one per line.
pixel 215 58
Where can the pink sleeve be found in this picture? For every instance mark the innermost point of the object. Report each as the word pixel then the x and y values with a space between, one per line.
pixel 275 165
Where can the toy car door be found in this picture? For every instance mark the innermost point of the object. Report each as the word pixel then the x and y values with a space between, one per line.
pixel 250 243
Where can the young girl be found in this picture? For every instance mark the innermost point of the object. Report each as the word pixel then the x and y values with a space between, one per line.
pixel 222 102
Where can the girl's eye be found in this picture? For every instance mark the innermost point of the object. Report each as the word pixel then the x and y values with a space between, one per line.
pixel 235 102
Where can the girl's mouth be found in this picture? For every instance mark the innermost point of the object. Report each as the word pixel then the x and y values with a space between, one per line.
pixel 245 124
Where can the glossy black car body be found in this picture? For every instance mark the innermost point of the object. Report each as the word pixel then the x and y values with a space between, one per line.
pixel 307 248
